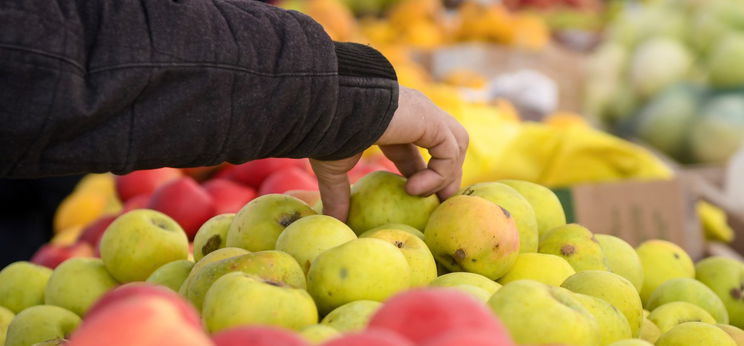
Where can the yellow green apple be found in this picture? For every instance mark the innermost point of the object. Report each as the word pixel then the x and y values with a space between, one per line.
pixel 318 333
pixel 140 241
pixel 380 198
pixel 258 224
pixel 734 332
pixel 308 237
pixel 218 255
pixel 352 316
pixel 77 283
pixel 649 331
pixel 545 204
pixel 518 206
pixel 420 260
pixel 669 315
pixel 631 342
pixel 691 291
pixel 695 333
pixel 171 275
pixel 576 245
pixel 465 278
pixel 725 277
pixel 662 261
pixel 401 227
pixel 622 259
pixel 41 323
pixel 5 317
pixel 22 285
pixel 467 233
pixel 613 326
pixel 474 291
pixel 239 299
pixel 548 269
pixel 362 269
pixel 212 235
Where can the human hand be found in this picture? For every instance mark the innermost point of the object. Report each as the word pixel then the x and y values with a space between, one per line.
pixel 416 123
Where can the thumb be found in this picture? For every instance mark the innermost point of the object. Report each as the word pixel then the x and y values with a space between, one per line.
pixel 333 184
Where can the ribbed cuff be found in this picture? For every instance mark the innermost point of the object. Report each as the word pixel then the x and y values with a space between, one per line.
pixel 358 60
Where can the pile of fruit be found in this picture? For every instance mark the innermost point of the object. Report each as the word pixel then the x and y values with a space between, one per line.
pixel 672 73
pixel 495 264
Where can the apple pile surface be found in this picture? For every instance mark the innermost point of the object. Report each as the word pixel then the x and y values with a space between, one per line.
pixel 493 265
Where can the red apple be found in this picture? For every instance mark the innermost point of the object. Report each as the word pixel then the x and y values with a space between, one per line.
pixel 186 202
pixel 136 202
pixel 92 233
pixel 144 181
pixel 228 196
pixel 291 178
pixel 138 290
pixel 468 337
pixel 253 173
pixel 225 171
pixel 424 314
pixel 369 337
pixel 310 197
pixel 51 255
pixel 141 319
pixel 257 336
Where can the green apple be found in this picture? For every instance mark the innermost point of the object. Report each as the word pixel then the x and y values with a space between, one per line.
pixel 669 315
pixel 548 269
pixel 419 258
pixel 318 333
pixel 362 269
pixel 614 289
pixel 520 209
pixel 467 233
pixel 734 332
pixel 691 291
pixel 465 278
pixel 545 204
pixel 649 331
pixel 271 265
pixel 401 227
pixel 140 241
pixel 22 285
pixel 5 317
pixel 308 237
pixel 475 292
pixel 259 223
pixel 622 259
pixel 41 323
pixel 662 261
pixel 77 283
pixel 352 316
pixel 171 275
pixel 631 342
pixel 613 326
pixel 725 277
pixel 575 244
pixel 380 198
pixel 535 313
pixel 238 299
pixel 218 255
pixel 212 235
pixel 695 333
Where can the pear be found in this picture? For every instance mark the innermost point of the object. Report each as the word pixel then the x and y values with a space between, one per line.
pixel 614 289
pixel 691 291
pixel 380 198
pixel 575 244
pixel 548 210
pixel 726 278
pixel 258 224
pixel 548 269
pixel 621 259
pixel 212 235
pixel 695 333
pixel 662 261
pixel 613 325
pixel 467 233
pixel 535 313
pixel 669 315
pixel 518 206
pixel 352 316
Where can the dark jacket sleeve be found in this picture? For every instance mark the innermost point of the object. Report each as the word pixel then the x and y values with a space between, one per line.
pixel 119 85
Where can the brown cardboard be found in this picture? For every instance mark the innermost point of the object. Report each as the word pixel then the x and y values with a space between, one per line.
pixel 637 211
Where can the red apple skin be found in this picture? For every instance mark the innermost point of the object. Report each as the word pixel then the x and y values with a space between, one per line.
pixel 468 337
pixel 51 255
pixel 287 179
pixel 144 181
pixel 369 337
pixel 225 171
pixel 228 196
pixel 421 315
pixel 186 202
pixel 253 173
pixel 258 336
pixel 93 232
pixel 136 202
pixel 141 320
pixel 310 197
pixel 139 290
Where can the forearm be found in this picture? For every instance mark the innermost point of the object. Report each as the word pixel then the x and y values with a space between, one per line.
pixel 118 86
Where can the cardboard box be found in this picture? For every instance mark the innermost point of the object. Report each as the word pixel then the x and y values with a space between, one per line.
pixel 637 211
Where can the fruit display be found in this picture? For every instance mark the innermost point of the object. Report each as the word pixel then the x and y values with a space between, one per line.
pixel 670 73
pixel 403 270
